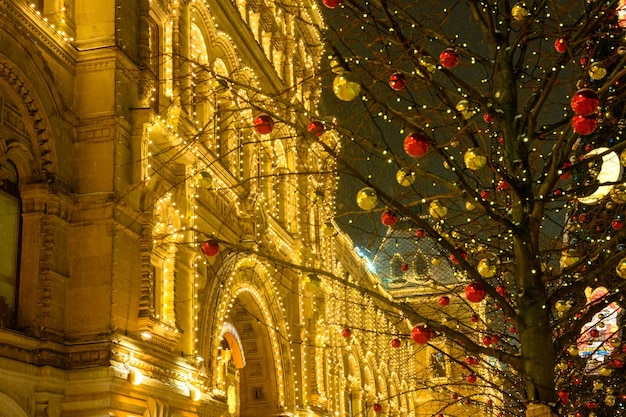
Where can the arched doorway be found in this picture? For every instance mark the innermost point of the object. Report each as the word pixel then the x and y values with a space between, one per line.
pixel 249 355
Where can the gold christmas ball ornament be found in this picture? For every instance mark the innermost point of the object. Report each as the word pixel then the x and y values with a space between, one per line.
pixel 561 306
pixel 605 371
pixel 465 108
pixel 469 206
pixel 487 266
pixel 610 400
pixel 328 230
pixel 204 179
pixel 569 258
pixel 437 210
pixel 435 261
pixel 573 350
pixel 474 159
pixel 519 11
pixel 345 88
pixel 336 66
pixel 405 177
pixel 366 198
pixel 597 71
pixel 621 268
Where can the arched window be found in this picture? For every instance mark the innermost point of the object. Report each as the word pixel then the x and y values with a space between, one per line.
pixel 10 209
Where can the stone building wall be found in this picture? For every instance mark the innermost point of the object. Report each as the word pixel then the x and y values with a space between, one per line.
pixel 126 142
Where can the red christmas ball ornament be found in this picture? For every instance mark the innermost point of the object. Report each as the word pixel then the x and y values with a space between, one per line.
pixel 421 334
pixel 396 343
pixel 453 258
pixel 397 81
pixel 560 45
pixel 617 224
pixel 263 124
pixel 585 102
pixel 388 218
pixel 584 125
pixel 404 267
pixel 489 402
pixel 377 408
pixel 592 404
pixel 331 4
pixel 470 360
pixel 616 363
pixel 594 333
pixel 475 292
pixel 449 58
pixel 455 396
pixel 563 396
pixel 416 144
pixel 485 194
pixel 346 332
pixel 512 329
pixel 489 117
pixel 584 60
pixel 503 186
pixel 501 290
pixel 316 127
pixel 210 247
pixel 474 318
pixel 420 233
pixel 487 340
pixel 471 378
pixel 444 300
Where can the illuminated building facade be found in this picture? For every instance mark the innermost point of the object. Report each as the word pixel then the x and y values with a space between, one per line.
pixel 126 143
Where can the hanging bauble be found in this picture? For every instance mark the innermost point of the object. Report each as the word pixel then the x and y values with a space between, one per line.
pixel 469 206
pixel 316 128
pixel 449 58
pixel 337 65
pixel 572 350
pixel 204 179
pixel 617 224
pixel 519 11
pixel 455 260
pixel 471 378
pixel 388 218
pixel 210 247
pixel 416 144
pixel 489 117
pixel 404 267
pixel 331 4
pixel 569 258
pixel 405 177
pixel 486 267
pixel 437 210
pixel 345 88
pixel 346 332
pixel 397 81
pixel 263 124
pixel 621 268
pixel 444 300
pixel 584 125
pixel 485 194
pixel 328 229
pixel 377 408
pixel 475 292
pixel 563 396
pixel 501 289
pixel 560 45
pixel 610 400
pixel 465 108
pixel 474 159
pixel 422 334
pixel 396 343
pixel 366 198
pixel 585 102
pixel 597 71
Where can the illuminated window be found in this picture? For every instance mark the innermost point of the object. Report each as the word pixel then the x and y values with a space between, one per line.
pixel 9 242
